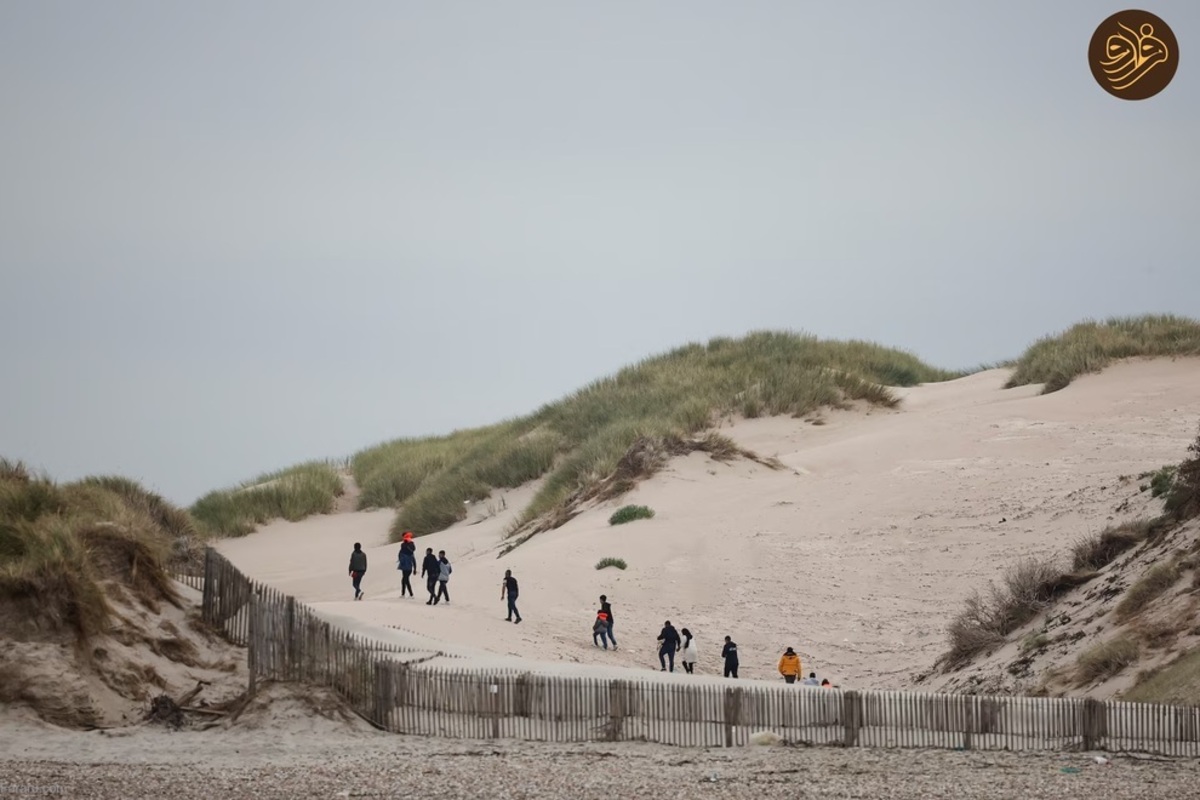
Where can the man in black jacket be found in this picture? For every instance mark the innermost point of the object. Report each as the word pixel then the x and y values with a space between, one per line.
pixel 358 568
pixel 668 644
pixel 606 607
pixel 509 590
pixel 730 654
pixel 430 569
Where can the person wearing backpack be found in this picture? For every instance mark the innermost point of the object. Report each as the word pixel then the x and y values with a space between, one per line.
pixel 431 568
pixel 358 568
pixel 407 563
pixel 443 578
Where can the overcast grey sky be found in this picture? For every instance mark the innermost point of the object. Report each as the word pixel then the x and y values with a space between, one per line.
pixel 237 235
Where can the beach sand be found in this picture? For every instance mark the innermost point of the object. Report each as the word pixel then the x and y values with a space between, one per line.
pixel 857 554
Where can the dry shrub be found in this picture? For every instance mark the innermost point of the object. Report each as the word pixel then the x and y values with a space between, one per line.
pixel 1153 583
pixel 1027 589
pixel 1105 660
pixel 975 629
pixel 1099 550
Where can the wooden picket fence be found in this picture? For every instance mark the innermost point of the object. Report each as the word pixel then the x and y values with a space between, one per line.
pixel 401 690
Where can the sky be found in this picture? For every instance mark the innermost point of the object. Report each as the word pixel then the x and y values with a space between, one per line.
pixel 236 236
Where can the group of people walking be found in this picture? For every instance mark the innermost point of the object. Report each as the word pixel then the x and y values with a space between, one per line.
pixel 436 569
pixel 672 641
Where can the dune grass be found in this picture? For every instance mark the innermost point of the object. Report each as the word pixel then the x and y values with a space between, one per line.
pixel 609 561
pixel 1177 683
pixel 1090 346
pixel 579 440
pixel 291 494
pixel 1151 585
pixel 1106 660
pixel 59 545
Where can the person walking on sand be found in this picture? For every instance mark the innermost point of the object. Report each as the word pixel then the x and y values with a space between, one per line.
pixel 509 589
pixel 811 680
pixel 668 643
pixel 730 654
pixel 687 652
pixel 789 665
pixel 600 630
pixel 358 568
pixel 606 607
pixel 444 570
pixel 431 568
pixel 407 564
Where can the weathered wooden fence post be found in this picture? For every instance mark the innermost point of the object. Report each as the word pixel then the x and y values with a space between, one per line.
pixel 733 713
pixel 851 717
pixel 521 695
pixel 1095 723
pixel 384 697
pixel 252 644
pixel 968 721
pixel 494 705
pixel 616 710
pixel 206 604
pixel 289 632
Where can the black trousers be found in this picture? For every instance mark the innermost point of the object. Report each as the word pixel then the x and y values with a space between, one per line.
pixel 405 584
pixel 442 591
pixel 790 678
pixel 431 584
pixel 731 669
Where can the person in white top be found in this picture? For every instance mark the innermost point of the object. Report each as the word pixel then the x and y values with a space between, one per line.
pixel 811 680
pixel 688 655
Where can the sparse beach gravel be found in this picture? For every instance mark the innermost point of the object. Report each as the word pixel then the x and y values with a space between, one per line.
pixel 185 766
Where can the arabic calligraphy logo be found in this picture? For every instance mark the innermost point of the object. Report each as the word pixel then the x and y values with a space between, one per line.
pixel 1133 55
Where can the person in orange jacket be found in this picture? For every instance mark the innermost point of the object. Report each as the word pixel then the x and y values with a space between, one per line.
pixel 789 665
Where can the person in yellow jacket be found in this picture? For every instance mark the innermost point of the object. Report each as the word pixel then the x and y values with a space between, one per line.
pixel 789 665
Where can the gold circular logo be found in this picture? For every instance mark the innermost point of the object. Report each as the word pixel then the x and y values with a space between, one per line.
pixel 1133 55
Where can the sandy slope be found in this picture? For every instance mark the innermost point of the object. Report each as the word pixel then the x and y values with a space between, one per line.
pixel 857 555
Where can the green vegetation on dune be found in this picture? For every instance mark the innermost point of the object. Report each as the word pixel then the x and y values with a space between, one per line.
pixel 630 513
pixel 1090 346
pixel 574 445
pixel 578 441
pixel 60 544
pixel 291 494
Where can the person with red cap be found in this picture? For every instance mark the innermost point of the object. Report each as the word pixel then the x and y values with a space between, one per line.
pixel 407 563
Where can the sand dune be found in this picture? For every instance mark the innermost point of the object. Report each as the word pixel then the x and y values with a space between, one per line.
pixel 857 554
